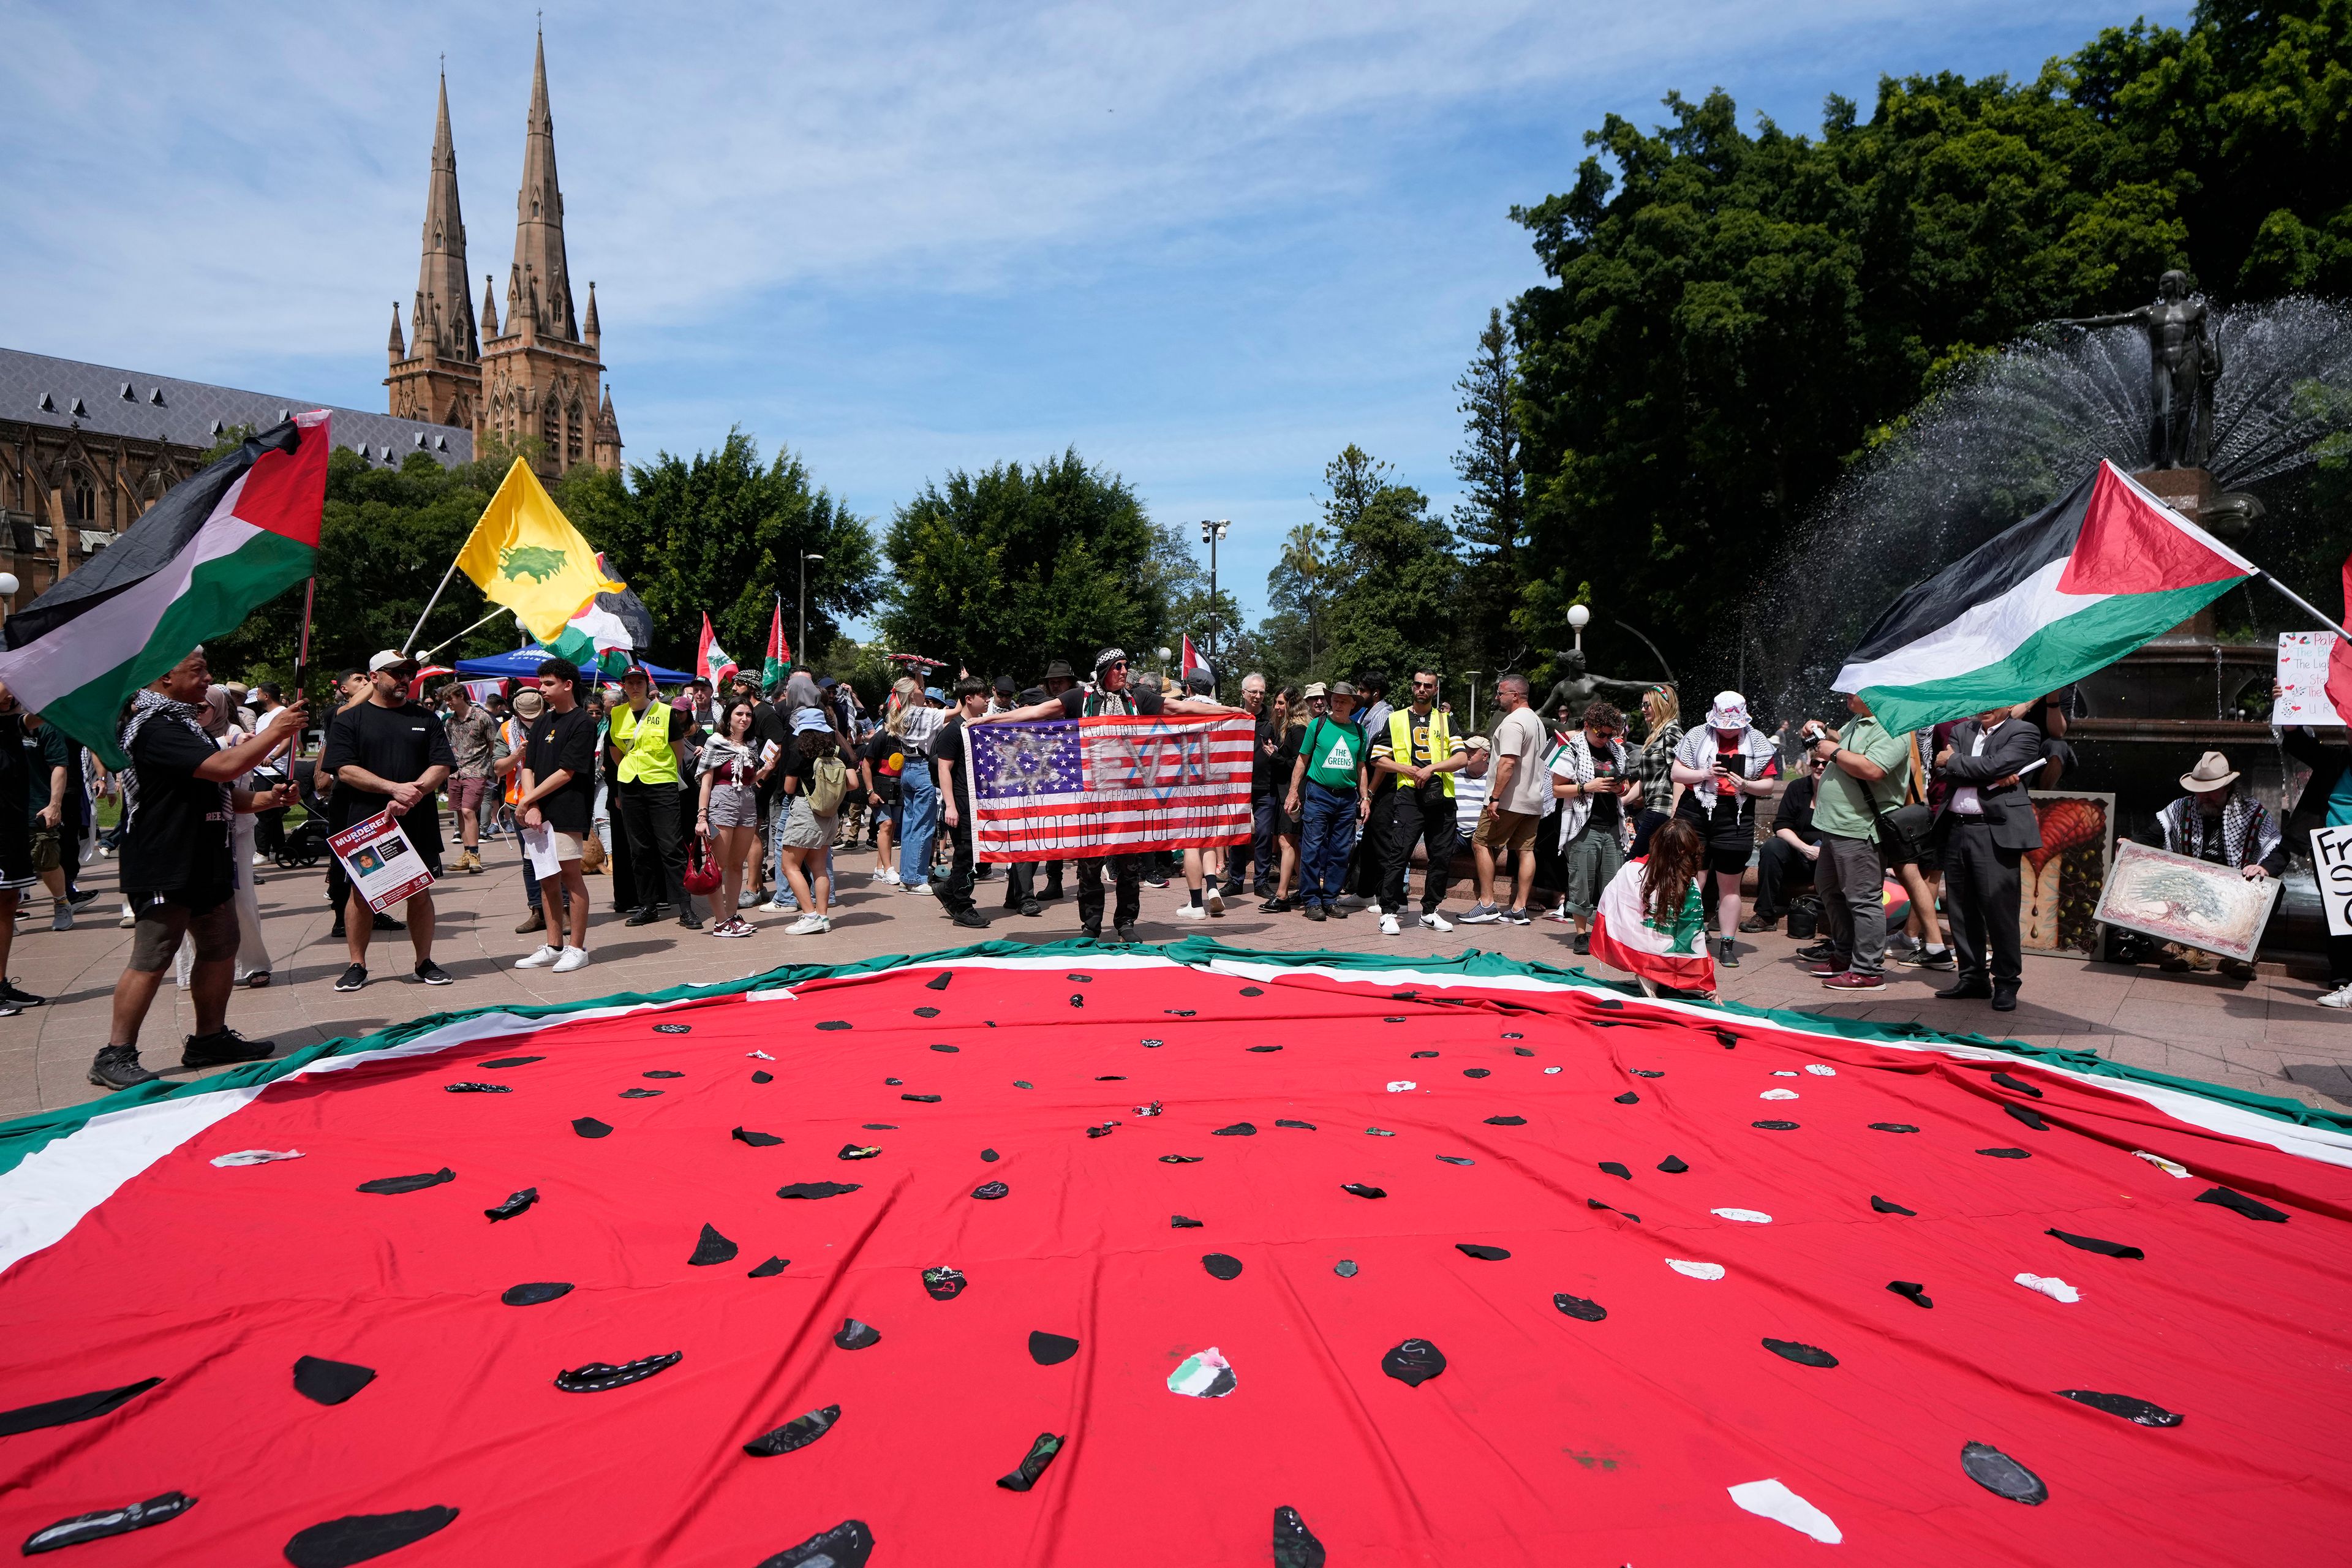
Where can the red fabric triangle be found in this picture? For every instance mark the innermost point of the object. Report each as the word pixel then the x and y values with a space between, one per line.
pixel 2127 546
pixel 2339 659
pixel 284 492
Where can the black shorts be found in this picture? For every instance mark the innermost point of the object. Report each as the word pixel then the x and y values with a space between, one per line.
pixel 1730 842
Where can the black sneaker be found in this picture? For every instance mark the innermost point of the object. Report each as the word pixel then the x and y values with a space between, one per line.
pixel 1126 935
pixel 1584 944
pixel 1273 906
pixel 640 917
pixel 1315 913
pixel 1818 953
pixel 1053 892
pixel 1031 907
pixel 117 1067
pixel 971 919
pixel 77 896
pixel 1727 954
pixel 223 1047
pixel 19 1000
pixel 335 932
pixel 386 922
pixel 691 923
pixel 433 974
pixel 1263 890
pixel 1929 958
pixel 352 978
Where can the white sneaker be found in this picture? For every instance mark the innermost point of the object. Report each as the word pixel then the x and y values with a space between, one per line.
pixel 2339 997
pixel 574 958
pixel 1388 926
pixel 539 958
pixel 809 925
pixel 1216 899
pixel 1190 911
pixel 922 890
pixel 259 858
pixel 1436 921
pixel 781 906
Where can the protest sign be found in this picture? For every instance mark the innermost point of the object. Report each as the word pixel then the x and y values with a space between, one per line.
pixel 2331 865
pixel 2303 680
pixel 384 866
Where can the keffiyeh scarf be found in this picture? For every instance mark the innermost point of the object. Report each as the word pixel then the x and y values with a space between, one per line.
pixel 146 706
pixel 2248 831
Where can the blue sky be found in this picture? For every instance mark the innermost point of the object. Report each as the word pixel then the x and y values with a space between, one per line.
pixel 1205 245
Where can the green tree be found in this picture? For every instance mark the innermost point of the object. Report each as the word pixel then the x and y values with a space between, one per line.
pixel 1003 570
pixel 1300 588
pixel 1734 316
pixel 1491 521
pixel 1398 604
pixel 723 532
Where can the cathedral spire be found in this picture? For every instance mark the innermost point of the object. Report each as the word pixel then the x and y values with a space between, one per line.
pixel 489 307
pixel 589 331
pixel 543 282
pixel 443 307
pixel 399 350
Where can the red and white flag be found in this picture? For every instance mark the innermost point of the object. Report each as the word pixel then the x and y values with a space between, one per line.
pixel 1115 785
pixel 1624 937
pixel 710 660
pixel 1191 660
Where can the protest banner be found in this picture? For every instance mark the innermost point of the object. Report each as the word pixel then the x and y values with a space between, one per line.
pixel 384 866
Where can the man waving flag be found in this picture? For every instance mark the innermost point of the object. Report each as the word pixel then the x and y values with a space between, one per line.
pixel 217 546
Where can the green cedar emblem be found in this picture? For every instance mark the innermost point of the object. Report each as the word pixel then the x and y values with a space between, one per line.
pixel 534 561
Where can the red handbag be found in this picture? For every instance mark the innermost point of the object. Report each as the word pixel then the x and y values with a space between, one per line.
pixel 702 872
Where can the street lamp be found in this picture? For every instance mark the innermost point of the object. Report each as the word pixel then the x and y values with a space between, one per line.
pixel 805 559
pixel 1212 530
pixel 1165 655
pixel 1578 617
pixel 8 586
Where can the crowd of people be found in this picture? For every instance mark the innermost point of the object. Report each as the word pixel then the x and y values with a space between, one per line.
pixel 713 805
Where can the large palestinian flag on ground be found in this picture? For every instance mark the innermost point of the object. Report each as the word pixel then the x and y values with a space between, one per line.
pixel 215 546
pixel 2068 591
pixel 1062 1255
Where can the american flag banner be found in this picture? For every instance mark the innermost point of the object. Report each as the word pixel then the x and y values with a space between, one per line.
pixel 1076 788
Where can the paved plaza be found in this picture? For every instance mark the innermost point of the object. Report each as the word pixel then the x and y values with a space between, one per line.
pixel 2244 1036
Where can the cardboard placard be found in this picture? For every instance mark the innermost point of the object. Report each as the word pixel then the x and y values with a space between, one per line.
pixel 2331 865
pixel 2303 680
pixel 384 866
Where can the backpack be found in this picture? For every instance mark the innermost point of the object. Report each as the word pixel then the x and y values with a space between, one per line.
pixel 828 782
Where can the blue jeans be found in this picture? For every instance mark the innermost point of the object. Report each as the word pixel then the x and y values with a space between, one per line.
pixel 918 821
pixel 1327 836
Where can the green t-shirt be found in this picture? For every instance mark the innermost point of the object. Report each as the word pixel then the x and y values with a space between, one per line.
pixel 1334 750
pixel 45 748
pixel 1845 805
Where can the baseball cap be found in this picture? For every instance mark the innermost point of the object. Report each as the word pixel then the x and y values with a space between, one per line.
pixel 1200 681
pixel 1004 687
pixel 389 658
pixel 935 694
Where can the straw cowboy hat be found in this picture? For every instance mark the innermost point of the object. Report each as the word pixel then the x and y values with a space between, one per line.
pixel 2212 772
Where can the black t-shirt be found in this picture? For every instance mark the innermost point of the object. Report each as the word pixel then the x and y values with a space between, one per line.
pixel 950 745
pixel 1074 701
pixel 769 723
pixel 16 793
pixel 559 741
pixel 178 843
pixel 1266 773
pixel 887 754
pixel 396 744
pixel 1796 813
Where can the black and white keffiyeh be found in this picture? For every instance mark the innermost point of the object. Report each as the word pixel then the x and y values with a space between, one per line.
pixel 147 706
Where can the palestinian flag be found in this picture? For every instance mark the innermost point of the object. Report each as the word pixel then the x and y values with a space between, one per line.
pixel 1624 938
pixel 216 546
pixel 779 662
pixel 1252 1258
pixel 2067 591
pixel 710 660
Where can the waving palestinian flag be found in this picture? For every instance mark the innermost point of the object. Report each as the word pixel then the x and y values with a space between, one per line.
pixel 2067 591
pixel 215 547
pixel 779 662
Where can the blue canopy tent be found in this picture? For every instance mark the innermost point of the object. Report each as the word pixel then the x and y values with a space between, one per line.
pixel 524 662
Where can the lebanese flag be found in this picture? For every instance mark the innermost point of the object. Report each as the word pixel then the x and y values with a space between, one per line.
pixel 1624 938
pixel 710 660
pixel 1191 660
pixel 2067 591
pixel 779 662
pixel 214 548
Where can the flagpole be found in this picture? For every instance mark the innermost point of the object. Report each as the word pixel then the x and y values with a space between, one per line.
pixel 302 658
pixel 496 611
pixel 419 628
pixel 2298 601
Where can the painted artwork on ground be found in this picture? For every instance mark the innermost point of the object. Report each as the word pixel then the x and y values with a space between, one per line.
pixel 2172 898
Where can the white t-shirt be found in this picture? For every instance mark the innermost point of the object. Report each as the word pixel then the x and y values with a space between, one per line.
pixel 1520 736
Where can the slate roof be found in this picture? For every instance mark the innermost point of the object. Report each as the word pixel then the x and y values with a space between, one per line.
pixel 59 392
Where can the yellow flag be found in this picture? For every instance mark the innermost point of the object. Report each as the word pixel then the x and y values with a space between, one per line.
pixel 525 554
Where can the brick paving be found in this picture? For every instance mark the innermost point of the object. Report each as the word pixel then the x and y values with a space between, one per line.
pixel 2244 1035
